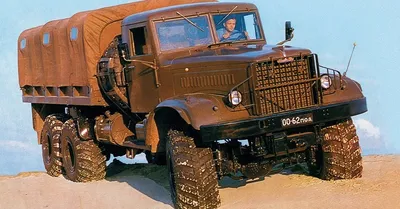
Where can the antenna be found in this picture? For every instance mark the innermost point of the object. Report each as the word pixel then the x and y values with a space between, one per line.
pixel 348 64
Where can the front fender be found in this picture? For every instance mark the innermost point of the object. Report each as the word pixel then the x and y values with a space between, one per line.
pixel 351 90
pixel 203 109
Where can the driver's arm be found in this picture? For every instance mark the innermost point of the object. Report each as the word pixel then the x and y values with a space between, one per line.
pixel 247 35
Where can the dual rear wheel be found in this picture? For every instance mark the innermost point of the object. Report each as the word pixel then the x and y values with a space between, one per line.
pixel 64 152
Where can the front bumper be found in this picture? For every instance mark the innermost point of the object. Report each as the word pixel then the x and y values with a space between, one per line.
pixel 262 125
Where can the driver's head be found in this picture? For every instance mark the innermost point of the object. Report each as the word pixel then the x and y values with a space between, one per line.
pixel 230 24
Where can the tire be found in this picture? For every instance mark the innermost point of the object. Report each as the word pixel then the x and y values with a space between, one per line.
pixel 83 161
pixel 192 175
pixel 149 156
pixel 50 140
pixel 340 152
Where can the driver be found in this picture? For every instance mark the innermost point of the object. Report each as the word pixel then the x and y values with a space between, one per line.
pixel 228 32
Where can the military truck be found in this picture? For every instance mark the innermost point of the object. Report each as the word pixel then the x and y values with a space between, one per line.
pixel 193 85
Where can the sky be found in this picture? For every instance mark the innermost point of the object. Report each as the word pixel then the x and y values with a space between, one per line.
pixel 328 28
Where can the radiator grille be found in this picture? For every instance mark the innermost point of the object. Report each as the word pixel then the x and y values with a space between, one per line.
pixel 283 86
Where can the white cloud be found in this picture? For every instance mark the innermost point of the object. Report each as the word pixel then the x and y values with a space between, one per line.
pixel 367 128
pixel 371 139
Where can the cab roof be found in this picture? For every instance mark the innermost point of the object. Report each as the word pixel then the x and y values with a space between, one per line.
pixel 187 9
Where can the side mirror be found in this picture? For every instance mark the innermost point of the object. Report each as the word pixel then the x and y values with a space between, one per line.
pixel 288 33
pixel 123 51
pixel 288 30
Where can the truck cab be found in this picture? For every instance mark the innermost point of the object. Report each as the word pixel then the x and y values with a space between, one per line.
pixel 179 42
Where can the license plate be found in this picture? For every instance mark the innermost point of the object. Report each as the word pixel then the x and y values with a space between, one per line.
pixel 297 120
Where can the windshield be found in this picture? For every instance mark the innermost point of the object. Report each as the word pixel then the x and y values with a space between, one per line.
pixel 237 27
pixel 183 33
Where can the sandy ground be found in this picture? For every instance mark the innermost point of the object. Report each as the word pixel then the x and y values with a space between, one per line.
pixel 125 187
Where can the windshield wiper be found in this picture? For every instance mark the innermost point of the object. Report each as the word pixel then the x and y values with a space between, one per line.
pixel 221 44
pixel 251 41
pixel 189 21
pixel 229 43
pixel 227 15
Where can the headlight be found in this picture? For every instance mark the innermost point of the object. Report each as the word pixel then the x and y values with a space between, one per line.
pixel 326 81
pixel 235 98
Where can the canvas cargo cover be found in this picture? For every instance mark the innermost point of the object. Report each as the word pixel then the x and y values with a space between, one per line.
pixel 57 61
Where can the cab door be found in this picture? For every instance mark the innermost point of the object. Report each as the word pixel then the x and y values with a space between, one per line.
pixel 141 76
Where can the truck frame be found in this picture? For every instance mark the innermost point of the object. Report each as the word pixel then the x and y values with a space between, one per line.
pixel 160 78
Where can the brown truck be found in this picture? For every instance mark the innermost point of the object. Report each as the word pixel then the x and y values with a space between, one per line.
pixel 193 85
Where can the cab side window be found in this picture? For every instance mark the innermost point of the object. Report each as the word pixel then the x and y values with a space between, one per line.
pixel 138 36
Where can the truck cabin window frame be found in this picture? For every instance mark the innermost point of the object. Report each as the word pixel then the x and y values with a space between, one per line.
pixel 240 26
pixel 139 40
pixel 180 33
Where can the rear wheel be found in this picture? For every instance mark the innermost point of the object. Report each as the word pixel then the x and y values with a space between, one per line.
pixel 193 179
pixel 83 161
pixel 50 139
pixel 340 153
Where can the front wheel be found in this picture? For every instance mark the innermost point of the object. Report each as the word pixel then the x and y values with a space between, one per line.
pixel 192 175
pixel 340 153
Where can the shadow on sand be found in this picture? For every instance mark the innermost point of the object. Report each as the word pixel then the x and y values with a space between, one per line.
pixel 227 182
pixel 121 172
pixel 138 175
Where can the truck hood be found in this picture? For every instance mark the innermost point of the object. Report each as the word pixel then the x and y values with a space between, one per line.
pixel 231 54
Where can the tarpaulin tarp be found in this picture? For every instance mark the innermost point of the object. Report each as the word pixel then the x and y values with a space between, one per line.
pixel 65 52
